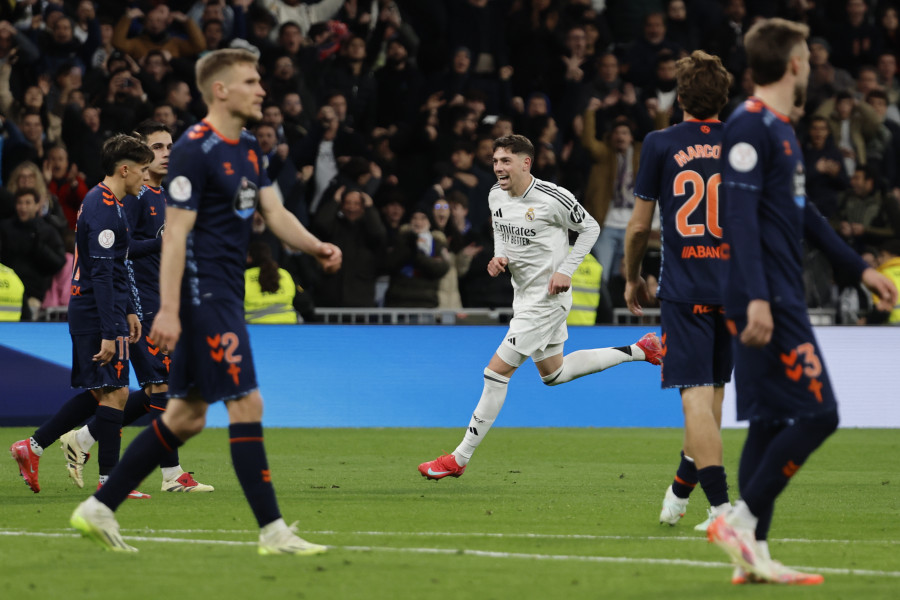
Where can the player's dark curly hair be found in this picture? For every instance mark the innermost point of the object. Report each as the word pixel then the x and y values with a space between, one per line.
pixel 121 148
pixel 703 84
pixel 516 144
pixel 261 256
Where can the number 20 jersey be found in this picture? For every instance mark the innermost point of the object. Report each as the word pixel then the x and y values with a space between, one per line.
pixel 680 168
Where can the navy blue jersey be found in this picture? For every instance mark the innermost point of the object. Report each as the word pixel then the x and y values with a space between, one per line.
pixel 146 216
pixel 220 179
pixel 100 292
pixel 680 169
pixel 766 214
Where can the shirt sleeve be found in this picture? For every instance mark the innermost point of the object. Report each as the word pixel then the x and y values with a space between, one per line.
pixel 745 150
pixel 187 174
pixel 573 216
pixel 646 183
pixel 101 243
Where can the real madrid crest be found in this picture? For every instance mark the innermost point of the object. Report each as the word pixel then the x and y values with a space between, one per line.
pixel 529 214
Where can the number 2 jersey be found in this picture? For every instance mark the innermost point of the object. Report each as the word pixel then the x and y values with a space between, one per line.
pixel 220 179
pixel 680 169
pixel 99 296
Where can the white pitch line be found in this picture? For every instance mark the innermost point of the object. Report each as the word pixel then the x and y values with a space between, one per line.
pixel 481 553
pixel 482 534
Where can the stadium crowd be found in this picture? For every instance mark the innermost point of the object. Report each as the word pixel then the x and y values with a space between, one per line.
pixel 380 117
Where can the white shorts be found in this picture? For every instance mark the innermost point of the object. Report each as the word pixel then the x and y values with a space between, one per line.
pixel 531 332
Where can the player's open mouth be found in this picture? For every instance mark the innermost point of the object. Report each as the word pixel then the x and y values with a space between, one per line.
pixel 502 177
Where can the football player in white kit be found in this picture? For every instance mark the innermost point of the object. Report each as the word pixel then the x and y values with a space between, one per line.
pixel 531 222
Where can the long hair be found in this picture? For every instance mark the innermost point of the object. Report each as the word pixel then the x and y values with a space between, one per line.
pixel 261 256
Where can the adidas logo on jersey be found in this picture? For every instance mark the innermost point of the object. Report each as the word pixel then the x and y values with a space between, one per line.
pixel 498 213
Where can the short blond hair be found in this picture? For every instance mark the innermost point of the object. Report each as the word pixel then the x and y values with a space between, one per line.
pixel 211 65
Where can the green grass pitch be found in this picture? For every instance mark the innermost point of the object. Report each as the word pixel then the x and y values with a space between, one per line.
pixel 540 513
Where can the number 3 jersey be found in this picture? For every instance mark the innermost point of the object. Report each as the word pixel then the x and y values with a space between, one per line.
pixel 220 179
pixel 532 231
pixel 680 169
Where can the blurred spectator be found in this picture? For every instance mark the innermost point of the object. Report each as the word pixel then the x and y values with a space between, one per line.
pixel 852 125
pixel 680 30
pixel 399 85
pixel 639 59
pixel 887 76
pixel 471 180
pixel 155 75
pixel 660 97
pixel 351 222
pixel 202 12
pixel 861 218
pixel 534 43
pixel 888 141
pixel 888 30
pixel 28 143
pixel 569 80
pixel 65 182
pixel 416 264
pixel 178 96
pixel 327 146
pixel 618 98
pixel 608 197
pixel 269 290
pixel 825 80
pixel 286 78
pixel 155 34
pixel 105 48
pixel 33 249
pixel 31 101
pixel 57 296
pixel 59 45
pixel 28 176
pixel 295 120
pixel 825 174
pixel 477 288
pixel 352 75
pixel 304 14
pixel 461 247
pixel 478 26
pixel 854 38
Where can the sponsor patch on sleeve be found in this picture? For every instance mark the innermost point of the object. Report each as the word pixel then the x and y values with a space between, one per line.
pixel 742 157
pixel 180 189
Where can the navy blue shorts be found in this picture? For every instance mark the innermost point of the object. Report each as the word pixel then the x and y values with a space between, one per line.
pixel 89 375
pixel 787 378
pixel 697 345
pixel 149 363
pixel 213 355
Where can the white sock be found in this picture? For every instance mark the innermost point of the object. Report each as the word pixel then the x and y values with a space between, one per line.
pixel 637 353
pixel 170 473
pixel 35 447
pixel 763 547
pixel 741 517
pixel 276 525
pixel 584 362
pixel 84 437
pixel 492 397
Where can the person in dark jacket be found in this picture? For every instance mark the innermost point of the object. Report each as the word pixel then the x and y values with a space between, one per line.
pixel 351 222
pixel 416 264
pixel 33 249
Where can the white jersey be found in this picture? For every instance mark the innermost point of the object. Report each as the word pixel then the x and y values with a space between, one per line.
pixel 532 232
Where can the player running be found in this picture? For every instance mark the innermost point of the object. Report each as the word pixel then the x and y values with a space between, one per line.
pixel 531 220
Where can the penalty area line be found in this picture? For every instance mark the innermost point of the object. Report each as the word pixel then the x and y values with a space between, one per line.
pixel 471 552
